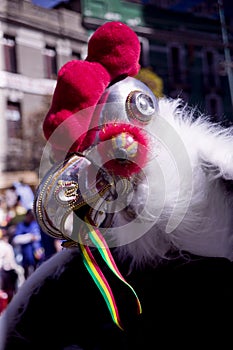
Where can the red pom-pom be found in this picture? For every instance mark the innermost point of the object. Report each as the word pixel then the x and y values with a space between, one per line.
pixel 79 87
pixel 117 47
pixel 123 149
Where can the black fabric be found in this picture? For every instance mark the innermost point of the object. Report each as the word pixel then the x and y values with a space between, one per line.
pixel 186 303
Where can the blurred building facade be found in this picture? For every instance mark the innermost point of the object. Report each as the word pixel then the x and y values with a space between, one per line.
pixel 34 43
pixel 183 48
pixel 182 42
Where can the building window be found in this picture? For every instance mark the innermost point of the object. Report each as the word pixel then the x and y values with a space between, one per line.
pixel 13 118
pixel 144 55
pixel 76 55
pixel 214 106
pixel 50 58
pixel 175 65
pixel 210 69
pixel 9 47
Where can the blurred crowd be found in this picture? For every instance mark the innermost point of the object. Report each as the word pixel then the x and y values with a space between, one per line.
pixel 23 245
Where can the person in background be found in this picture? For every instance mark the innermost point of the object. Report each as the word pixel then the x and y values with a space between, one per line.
pixel 3 211
pixel 27 243
pixel 50 244
pixel 11 273
pixel 25 193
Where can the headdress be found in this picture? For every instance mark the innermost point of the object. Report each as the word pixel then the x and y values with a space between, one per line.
pixel 95 127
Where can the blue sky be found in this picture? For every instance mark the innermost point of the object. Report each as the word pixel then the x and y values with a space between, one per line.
pixel 182 5
pixel 48 3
